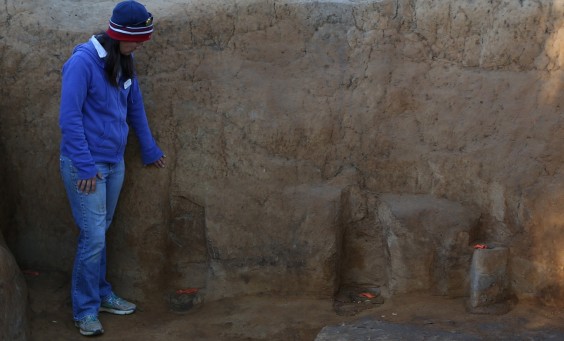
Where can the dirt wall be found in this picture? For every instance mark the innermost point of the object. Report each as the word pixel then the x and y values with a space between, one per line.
pixel 270 112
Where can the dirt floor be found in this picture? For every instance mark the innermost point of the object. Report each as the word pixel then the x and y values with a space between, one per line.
pixel 275 318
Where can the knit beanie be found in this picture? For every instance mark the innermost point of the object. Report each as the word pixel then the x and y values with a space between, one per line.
pixel 130 22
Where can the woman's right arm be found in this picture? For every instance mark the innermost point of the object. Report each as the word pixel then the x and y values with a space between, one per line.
pixel 76 75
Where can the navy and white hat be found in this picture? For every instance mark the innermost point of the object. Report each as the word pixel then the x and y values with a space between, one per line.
pixel 130 22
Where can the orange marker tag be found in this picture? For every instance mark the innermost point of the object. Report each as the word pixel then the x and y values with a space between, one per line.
pixel 187 291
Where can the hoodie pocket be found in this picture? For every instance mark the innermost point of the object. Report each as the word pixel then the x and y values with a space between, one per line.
pixel 113 136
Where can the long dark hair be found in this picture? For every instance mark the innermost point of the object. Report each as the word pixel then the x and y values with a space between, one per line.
pixel 117 64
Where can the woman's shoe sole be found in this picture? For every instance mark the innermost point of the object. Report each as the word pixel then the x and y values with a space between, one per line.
pixel 117 312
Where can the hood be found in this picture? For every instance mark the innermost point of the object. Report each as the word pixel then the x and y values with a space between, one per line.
pixel 89 50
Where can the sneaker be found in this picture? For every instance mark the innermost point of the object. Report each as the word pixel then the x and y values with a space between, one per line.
pixel 117 305
pixel 89 325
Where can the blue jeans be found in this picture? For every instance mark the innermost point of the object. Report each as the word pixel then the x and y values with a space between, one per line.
pixel 92 214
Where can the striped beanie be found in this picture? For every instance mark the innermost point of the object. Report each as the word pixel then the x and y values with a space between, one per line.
pixel 130 22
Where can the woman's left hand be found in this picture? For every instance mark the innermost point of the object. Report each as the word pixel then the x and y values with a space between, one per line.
pixel 160 163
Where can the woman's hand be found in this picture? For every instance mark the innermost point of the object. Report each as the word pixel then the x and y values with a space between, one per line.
pixel 160 163
pixel 88 185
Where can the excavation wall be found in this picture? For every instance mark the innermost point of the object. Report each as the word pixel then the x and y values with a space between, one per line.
pixel 310 144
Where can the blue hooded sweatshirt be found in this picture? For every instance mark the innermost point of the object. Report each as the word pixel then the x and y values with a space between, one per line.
pixel 95 115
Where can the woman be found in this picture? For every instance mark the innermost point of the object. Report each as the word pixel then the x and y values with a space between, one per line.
pixel 100 98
